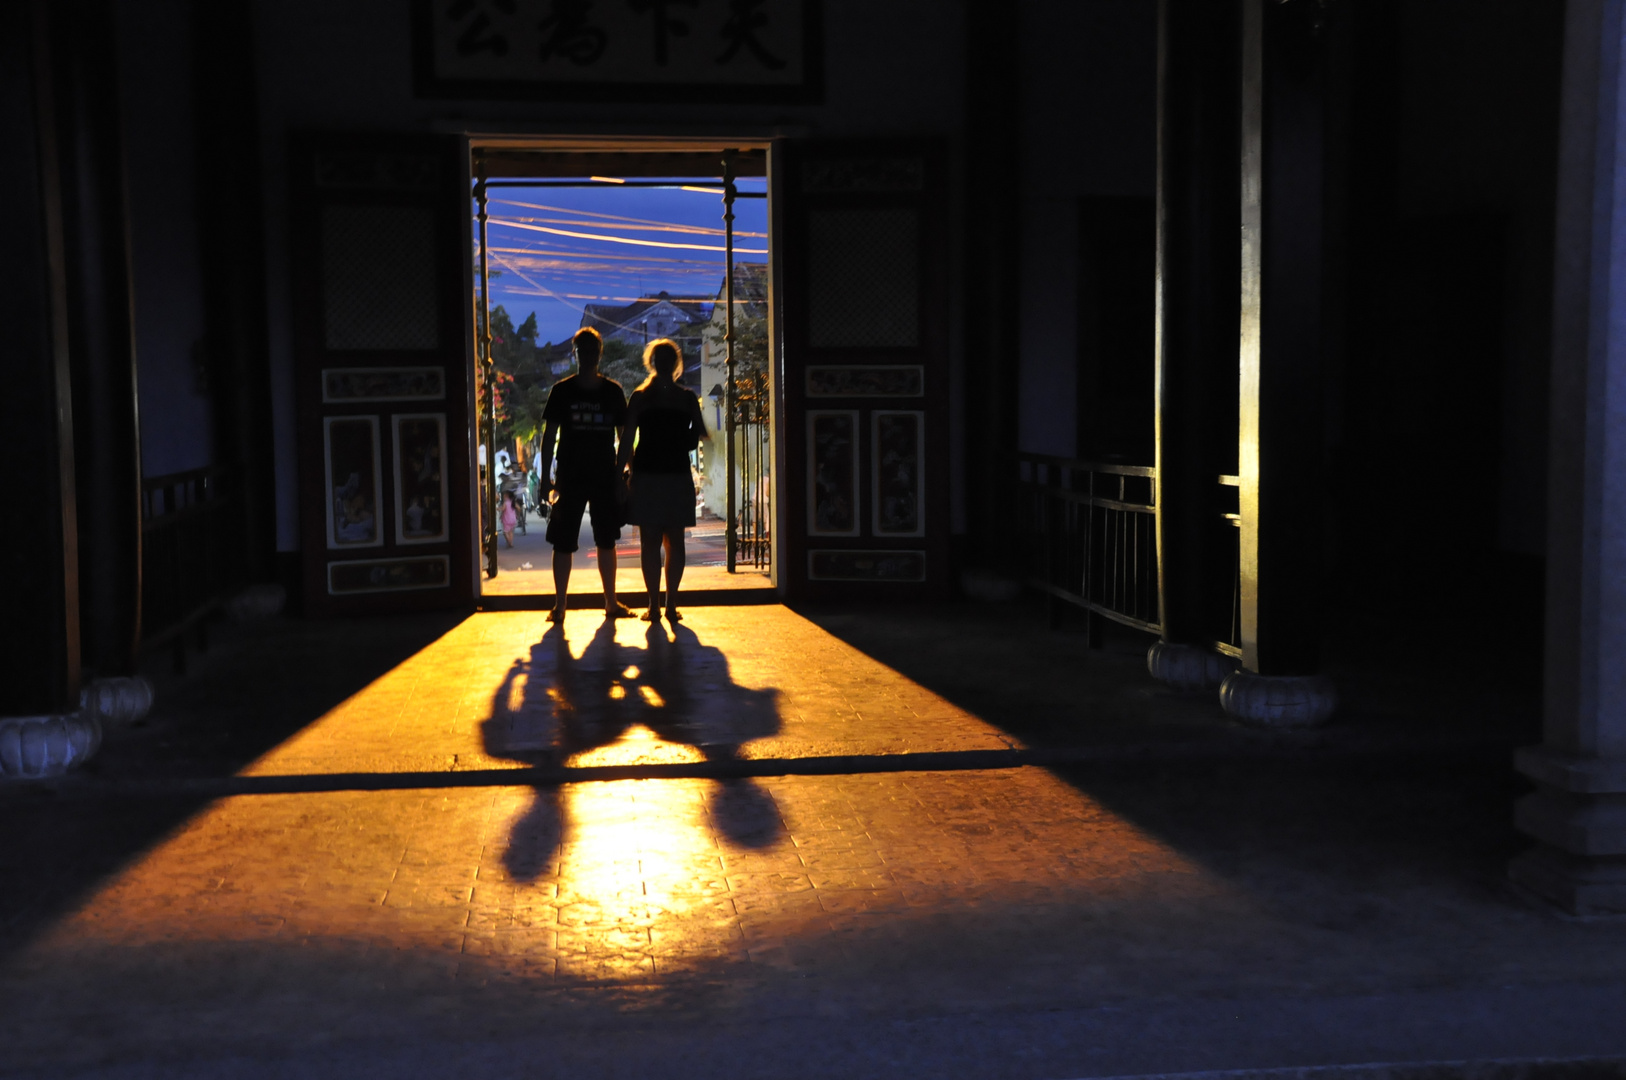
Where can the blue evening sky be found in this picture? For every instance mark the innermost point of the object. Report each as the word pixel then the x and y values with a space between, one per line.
pixel 560 248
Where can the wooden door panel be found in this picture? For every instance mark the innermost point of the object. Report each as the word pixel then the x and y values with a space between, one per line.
pixel 380 342
pixel 864 370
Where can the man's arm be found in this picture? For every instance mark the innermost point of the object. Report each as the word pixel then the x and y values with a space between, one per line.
pixel 545 469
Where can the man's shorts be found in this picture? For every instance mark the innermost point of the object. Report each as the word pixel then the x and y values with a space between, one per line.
pixel 565 515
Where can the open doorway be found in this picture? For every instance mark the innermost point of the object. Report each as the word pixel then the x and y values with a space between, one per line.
pixel 638 245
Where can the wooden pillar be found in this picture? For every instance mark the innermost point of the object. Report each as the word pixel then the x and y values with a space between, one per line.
pixel 1577 813
pixel 231 232
pixel 101 339
pixel 39 600
pixel 991 283
pixel 1195 343
pixel 1281 415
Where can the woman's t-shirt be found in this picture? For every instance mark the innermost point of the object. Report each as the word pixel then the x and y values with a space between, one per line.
pixel 665 437
pixel 588 419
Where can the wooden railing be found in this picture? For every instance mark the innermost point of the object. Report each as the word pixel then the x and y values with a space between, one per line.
pixel 186 560
pixel 1089 536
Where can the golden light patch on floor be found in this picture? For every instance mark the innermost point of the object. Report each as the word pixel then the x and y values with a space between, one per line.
pixel 634 881
pixel 501 688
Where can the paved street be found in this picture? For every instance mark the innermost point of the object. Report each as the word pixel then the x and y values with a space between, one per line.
pixel 1193 897
pixel 705 547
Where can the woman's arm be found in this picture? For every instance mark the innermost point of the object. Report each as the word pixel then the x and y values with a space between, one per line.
pixel 698 419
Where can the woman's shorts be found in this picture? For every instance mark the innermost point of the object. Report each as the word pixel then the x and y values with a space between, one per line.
pixel 661 501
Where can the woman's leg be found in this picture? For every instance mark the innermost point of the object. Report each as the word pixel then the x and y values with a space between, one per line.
pixel 649 553
pixel 676 558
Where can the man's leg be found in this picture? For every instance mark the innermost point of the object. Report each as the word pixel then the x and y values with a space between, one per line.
pixel 561 580
pixel 606 511
pixel 606 577
pixel 564 525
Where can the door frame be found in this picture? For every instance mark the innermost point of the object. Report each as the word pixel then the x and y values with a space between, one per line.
pixel 610 147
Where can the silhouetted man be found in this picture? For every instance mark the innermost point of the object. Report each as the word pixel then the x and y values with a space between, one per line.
pixel 585 410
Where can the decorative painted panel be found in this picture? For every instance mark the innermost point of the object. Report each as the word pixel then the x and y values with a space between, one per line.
pixel 341 385
pixel 420 477
pixel 388 575
pixel 873 566
pixel 897 462
pixel 350 455
pixel 832 482
pixel 866 380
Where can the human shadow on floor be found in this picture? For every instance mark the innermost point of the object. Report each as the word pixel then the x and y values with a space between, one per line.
pixel 555 708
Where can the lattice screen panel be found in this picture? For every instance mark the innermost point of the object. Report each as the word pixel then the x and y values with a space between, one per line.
pixel 378 277
pixel 863 271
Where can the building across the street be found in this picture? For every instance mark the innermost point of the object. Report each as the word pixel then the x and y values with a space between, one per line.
pixel 681 318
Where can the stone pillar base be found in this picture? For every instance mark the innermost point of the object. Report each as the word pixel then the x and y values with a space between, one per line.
pixel 1572 883
pixel 35 747
pixel 1187 667
pixel 1279 701
pixel 1577 814
pixel 116 701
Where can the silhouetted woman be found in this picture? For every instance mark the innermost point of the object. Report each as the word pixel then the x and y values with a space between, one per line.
pixel 663 425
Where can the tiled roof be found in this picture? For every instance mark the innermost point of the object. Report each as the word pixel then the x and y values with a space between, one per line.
pixel 610 318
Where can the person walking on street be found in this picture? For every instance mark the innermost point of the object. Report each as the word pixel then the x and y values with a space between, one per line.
pixel 664 423
pixel 585 411
pixel 509 518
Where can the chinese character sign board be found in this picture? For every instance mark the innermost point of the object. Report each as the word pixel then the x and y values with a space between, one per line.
pixel 619 49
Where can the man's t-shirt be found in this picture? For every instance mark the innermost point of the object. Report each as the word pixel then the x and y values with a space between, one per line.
pixel 588 420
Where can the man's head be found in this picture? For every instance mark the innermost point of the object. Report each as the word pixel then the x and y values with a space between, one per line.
pixel 589 346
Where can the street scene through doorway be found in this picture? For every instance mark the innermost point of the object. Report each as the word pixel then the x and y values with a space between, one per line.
pixel 636 259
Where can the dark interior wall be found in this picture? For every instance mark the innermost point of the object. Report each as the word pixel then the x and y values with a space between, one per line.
pixel 1439 416
pixel 891 69
pixel 155 56
pixel 1088 150
pixel 39 601
pixel 1479 138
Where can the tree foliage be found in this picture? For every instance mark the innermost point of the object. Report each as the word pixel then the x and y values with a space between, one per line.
pixel 623 361
pixel 750 351
pixel 522 380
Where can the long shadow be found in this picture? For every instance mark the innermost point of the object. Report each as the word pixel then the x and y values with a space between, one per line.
pixel 257 686
pixel 555 708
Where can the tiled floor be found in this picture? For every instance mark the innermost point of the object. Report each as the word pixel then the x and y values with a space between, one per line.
pixel 292 924
pixel 502 688
pixel 632 877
